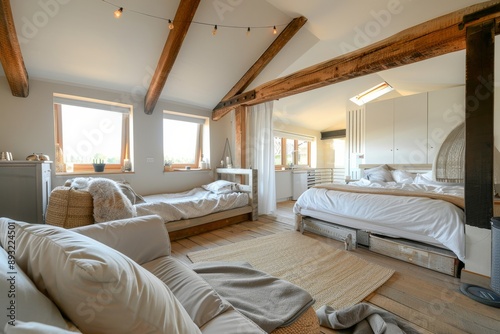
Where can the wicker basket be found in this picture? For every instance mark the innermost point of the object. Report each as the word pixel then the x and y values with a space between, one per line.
pixel 70 208
pixel 307 323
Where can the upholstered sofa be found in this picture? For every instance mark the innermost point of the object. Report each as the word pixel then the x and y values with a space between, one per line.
pixel 113 277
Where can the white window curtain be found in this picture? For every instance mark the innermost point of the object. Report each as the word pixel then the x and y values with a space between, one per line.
pixel 261 153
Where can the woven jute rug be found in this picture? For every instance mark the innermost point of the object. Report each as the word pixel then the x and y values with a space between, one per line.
pixel 333 277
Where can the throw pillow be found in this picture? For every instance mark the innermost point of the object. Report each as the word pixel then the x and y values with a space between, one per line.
pixel 380 173
pixel 99 289
pixel 401 176
pixel 127 190
pixel 221 187
pixel 19 297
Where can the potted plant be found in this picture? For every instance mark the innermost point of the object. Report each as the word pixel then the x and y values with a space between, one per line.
pixel 98 165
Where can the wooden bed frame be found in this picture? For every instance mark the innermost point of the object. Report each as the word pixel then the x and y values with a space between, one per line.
pixel 247 178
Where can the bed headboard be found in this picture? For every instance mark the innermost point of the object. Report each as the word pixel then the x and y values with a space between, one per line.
pixel 248 183
pixel 411 168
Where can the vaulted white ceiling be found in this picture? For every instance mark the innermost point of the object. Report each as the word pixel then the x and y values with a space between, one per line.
pixel 80 42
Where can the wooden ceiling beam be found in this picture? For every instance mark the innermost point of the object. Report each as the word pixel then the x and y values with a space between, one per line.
pixel 182 21
pixel 279 42
pixel 10 53
pixel 427 40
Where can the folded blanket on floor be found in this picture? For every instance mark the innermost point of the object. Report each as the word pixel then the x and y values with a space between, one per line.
pixel 268 301
pixel 362 318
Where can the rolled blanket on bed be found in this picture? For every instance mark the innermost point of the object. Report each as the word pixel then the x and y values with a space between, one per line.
pixel 268 301
pixel 362 318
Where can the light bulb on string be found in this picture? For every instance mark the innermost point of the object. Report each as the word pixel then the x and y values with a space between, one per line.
pixel 118 12
pixel 214 30
pixel 170 24
pixel 274 30
pixel 248 32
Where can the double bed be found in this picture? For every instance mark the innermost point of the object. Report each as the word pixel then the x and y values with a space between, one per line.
pixel 389 201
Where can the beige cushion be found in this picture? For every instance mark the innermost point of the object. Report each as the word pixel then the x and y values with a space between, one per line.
pixel 19 297
pixel 142 238
pixel 198 298
pixel 98 288
pixel 34 328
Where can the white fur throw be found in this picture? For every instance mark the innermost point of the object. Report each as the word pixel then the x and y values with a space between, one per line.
pixel 110 203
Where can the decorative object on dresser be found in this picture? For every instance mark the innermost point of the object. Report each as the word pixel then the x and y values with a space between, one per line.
pixel 26 187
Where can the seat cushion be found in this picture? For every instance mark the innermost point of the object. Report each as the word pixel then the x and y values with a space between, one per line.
pixel 99 289
pixel 199 299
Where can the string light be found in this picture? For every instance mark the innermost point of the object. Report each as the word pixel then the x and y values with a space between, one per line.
pixel 119 11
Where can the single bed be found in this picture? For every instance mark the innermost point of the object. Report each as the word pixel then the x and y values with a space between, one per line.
pixel 394 202
pixel 82 202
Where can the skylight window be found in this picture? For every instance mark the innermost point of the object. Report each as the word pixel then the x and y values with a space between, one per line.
pixel 372 93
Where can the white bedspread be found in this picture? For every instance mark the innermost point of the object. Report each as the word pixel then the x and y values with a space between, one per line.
pixel 440 220
pixel 190 204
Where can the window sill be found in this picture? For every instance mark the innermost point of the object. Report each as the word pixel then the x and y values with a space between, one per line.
pixel 93 173
pixel 186 170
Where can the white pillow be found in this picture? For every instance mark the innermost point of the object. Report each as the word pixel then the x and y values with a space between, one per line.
pixel 19 297
pixel 427 178
pixel 222 187
pixel 34 328
pixel 97 288
pixel 401 176
pixel 380 173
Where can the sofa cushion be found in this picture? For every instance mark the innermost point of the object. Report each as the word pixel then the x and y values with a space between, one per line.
pixel 19 297
pixel 22 327
pixel 199 299
pixel 142 238
pixel 98 288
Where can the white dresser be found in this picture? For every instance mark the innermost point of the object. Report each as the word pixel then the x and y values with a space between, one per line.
pixel 24 190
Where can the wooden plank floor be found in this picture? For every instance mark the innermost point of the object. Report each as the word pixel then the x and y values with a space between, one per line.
pixel 430 301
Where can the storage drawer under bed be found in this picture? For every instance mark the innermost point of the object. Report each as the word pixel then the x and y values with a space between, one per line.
pixel 426 256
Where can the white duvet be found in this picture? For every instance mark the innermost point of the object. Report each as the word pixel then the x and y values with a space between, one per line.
pixel 190 204
pixel 387 214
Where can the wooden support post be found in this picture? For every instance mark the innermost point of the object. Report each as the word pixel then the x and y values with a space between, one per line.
pixel 240 160
pixel 479 111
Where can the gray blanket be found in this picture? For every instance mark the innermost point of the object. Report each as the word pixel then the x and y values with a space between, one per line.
pixel 362 318
pixel 268 301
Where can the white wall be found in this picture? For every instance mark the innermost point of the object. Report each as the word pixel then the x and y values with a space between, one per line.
pixel 27 126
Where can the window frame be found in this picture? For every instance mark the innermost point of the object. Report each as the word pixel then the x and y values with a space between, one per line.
pixel 202 123
pixel 295 156
pixel 126 149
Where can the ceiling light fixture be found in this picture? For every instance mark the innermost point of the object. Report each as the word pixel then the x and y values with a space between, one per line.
pixel 248 32
pixel 214 31
pixel 372 93
pixel 274 30
pixel 118 12
pixel 170 24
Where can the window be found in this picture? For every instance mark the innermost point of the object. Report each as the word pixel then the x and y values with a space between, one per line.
pixel 291 151
pixel 88 131
pixel 185 140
